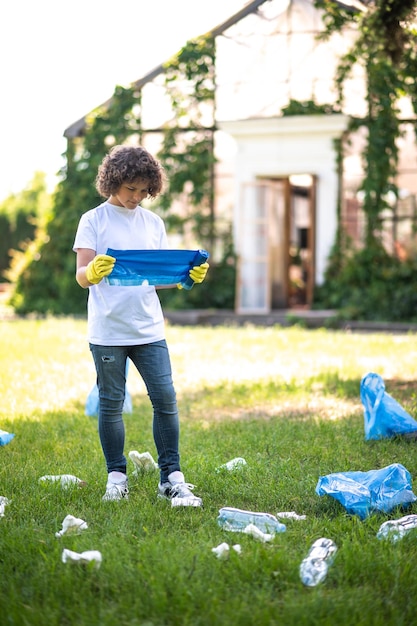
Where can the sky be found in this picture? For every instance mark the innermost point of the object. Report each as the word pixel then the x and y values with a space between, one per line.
pixel 61 59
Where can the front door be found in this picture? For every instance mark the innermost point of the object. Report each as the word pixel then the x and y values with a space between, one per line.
pixel 275 245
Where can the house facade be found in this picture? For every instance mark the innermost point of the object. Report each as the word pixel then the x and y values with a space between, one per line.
pixel 286 182
pixel 278 177
pixel 285 217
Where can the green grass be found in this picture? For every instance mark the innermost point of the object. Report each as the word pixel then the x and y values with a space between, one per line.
pixel 287 400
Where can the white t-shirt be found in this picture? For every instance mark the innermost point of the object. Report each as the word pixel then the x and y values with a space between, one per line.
pixel 121 315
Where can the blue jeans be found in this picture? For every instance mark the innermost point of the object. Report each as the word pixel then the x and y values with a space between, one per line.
pixel 153 364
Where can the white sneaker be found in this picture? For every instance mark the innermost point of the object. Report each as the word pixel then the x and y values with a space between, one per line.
pixel 178 491
pixel 116 488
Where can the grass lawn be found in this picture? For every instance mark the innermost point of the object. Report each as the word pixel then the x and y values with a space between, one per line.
pixel 286 400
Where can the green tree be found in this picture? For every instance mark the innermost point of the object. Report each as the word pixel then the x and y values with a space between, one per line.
pixel 187 150
pixel 45 276
pixel 5 239
pixel 21 215
pixel 386 47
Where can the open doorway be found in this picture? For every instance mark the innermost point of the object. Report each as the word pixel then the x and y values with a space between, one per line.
pixel 301 240
pixel 275 244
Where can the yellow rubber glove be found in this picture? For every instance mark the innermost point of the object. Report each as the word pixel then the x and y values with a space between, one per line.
pixel 198 273
pixel 99 267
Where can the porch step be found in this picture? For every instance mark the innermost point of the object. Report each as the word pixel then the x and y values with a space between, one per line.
pixel 285 318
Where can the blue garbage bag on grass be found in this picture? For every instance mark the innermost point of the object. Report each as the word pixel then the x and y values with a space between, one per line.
pixel 383 416
pixel 362 493
pixel 5 437
pixel 91 404
pixel 154 267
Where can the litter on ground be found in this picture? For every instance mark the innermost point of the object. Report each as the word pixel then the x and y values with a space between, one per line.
pixel 232 465
pixel 66 480
pixel 254 532
pixel 143 462
pixel 89 556
pixel 222 551
pixel 72 525
pixel 5 437
pixel 362 493
pixel 291 515
pixel 3 502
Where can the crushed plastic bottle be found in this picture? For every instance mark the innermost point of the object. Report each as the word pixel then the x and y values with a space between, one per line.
pixel 3 502
pixel 254 532
pixel 395 529
pixel 65 480
pixel 236 520
pixel 313 569
pixel 232 465
pixel 89 556
pixel 143 461
pixel 72 525
pixel 222 551
pixel 290 515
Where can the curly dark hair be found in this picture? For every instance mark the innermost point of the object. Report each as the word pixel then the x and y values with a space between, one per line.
pixel 126 164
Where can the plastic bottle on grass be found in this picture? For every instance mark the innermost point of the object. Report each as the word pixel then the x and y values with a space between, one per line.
pixel 395 529
pixel 89 556
pixel 143 461
pixel 313 569
pixel 236 520
pixel 232 465
pixel 3 502
pixel 65 480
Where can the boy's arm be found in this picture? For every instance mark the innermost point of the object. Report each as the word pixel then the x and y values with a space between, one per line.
pixel 92 268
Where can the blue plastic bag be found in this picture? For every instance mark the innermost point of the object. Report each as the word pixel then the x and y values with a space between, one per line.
pixel 383 416
pixel 91 405
pixel 5 437
pixel 154 267
pixel 362 493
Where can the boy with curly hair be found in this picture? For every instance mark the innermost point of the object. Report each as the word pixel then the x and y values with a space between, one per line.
pixel 127 321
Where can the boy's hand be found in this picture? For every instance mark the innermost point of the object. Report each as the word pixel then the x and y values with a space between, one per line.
pixel 99 267
pixel 199 272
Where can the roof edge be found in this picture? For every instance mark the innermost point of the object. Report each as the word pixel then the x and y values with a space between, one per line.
pixel 76 129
